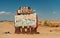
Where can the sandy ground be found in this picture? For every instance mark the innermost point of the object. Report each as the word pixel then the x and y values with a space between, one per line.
pixel 45 32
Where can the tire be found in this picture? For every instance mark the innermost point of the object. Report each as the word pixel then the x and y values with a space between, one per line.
pixel 17 30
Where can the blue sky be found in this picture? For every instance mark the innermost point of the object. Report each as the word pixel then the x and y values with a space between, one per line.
pixel 45 9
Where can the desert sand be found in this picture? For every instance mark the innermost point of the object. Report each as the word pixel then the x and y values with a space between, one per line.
pixel 45 32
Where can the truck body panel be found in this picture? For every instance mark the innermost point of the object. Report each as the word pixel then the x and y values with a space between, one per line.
pixel 25 20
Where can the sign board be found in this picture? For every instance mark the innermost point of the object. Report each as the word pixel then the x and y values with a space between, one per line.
pixel 25 20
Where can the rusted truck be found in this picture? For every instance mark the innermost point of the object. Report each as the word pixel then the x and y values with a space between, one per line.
pixel 26 20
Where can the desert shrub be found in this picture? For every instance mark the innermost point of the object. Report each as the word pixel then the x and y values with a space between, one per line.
pixel 55 25
pixel 46 23
pixel 40 23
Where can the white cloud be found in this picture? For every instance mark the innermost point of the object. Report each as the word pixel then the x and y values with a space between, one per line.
pixel 4 12
pixel 54 12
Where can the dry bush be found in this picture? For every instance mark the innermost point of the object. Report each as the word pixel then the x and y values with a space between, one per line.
pixel 46 23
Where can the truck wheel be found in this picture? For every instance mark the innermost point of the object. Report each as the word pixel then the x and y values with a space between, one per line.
pixel 17 30
pixel 32 30
pixel 35 30
pixel 28 30
pixel 23 30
